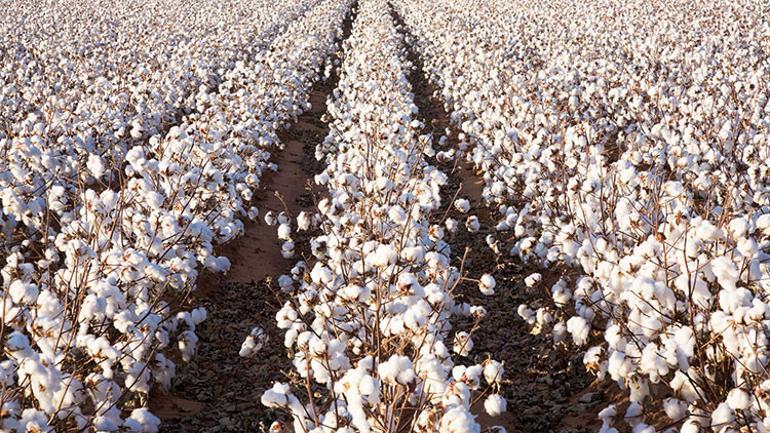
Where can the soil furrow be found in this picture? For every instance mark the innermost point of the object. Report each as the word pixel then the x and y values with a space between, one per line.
pixel 218 391
pixel 543 387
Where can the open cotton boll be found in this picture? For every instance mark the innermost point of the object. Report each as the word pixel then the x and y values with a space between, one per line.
pixel 303 221
pixel 495 405
pixel 579 328
pixel 270 218
pixel 675 409
pixel 493 372
pixel 142 421
pixel 738 399
pixel 23 293
pixel 384 256
pixel 690 426
pixel 398 215
pixel 472 224
pixel 253 343
pixel 533 279
pixel 458 420
pixel 95 166
pixel 276 396
pixel 462 205
pixel 725 271
pixel 397 370
pixel 487 284
pixel 723 415
pixel 217 264
pixel 463 344
pixel 451 225
pixel 284 232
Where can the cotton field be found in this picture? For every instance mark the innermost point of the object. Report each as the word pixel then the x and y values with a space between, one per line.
pixel 385 216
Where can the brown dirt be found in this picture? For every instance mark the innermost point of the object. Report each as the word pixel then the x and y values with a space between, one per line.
pixel 218 391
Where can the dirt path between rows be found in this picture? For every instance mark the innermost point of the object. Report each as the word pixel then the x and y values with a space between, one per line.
pixel 218 391
pixel 543 387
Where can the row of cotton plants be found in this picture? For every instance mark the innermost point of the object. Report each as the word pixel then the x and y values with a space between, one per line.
pixel 94 262
pixel 369 320
pixel 628 142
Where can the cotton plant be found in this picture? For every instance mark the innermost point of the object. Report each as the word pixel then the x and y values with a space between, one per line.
pixel 645 188
pixel 369 323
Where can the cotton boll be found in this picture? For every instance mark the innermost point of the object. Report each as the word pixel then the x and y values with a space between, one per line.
pixel 526 313
pixel 579 328
pixel 462 205
pixel 463 344
pixel 493 372
pixel 487 285
pixel 690 426
pixel 198 315
pixel 533 279
pixel 284 232
pixel 95 166
pixel 675 409
pixel 23 293
pixel 276 396
pixel 725 271
pixel 451 225
pixel 398 215
pixel 458 420
pixel 253 343
pixel 723 415
pixel 287 249
pixel 217 264
pixel 385 255
pixel 738 399
pixel 472 224
pixel 495 405
pixel 270 218
pixel 397 370
pixel 17 341
pixel 142 421
pixel 303 221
